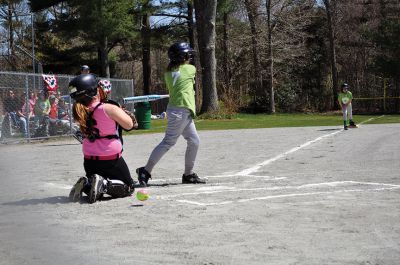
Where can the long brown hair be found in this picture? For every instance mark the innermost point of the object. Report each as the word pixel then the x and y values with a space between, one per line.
pixel 103 96
pixel 174 65
pixel 80 113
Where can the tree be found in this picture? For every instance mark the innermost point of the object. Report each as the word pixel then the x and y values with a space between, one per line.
pixel 224 8
pixel 270 59
pixel 387 60
pixel 330 8
pixel 205 12
pixel 14 24
pixel 146 38
pixel 100 25
pixel 252 14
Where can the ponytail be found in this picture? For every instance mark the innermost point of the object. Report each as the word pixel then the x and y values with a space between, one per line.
pixel 80 113
pixel 103 95
pixel 176 62
pixel 173 65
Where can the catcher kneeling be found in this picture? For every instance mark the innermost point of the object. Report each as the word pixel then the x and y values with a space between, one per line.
pixel 101 125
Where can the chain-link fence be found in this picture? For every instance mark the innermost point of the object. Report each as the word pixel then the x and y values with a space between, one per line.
pixel 35 106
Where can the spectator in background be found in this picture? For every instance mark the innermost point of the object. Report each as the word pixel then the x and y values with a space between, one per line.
pixel 32 102
pixel 53 115
pixel 23 116
pixel 27 113
pixel 62 110
pixel 42 110
pixel 11 104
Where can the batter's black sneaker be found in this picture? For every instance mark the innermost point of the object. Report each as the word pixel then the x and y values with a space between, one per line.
pixel 96 190
pixel 192 179
pixel 352 125
pixel 143 176
pixel 76 192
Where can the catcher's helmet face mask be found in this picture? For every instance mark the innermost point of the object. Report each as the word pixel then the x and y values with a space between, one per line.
pixel 180 52
pixel 83 88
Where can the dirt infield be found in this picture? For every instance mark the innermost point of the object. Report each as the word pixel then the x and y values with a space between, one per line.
pixel 312 195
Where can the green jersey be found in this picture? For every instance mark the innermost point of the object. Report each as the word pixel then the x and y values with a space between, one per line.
pixel 345 98
pixel 180 83
pixel 42 107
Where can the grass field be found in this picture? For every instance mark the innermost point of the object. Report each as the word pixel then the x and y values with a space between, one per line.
pixel 251 121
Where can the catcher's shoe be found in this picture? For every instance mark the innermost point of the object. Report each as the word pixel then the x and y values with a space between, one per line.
pixel 192 179
pixel 143 176
pixel 96 190
pixel 346 127
pixel 76 192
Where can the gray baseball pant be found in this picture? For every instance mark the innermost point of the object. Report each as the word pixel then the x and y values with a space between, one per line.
pixel 180 122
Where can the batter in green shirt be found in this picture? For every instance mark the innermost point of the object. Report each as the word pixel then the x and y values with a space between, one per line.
pixel 180 83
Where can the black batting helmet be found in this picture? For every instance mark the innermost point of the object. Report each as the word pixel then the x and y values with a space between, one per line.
pixel 180 52
pixel 83 87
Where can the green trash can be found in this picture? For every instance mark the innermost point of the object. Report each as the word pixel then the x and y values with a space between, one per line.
pixel 143 115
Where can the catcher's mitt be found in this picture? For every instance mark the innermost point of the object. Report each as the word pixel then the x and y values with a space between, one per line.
pixel 134 120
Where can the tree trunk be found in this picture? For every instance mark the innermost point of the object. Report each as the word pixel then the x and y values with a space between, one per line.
pixel 332 49
pixel 397 94
pixel 251 8
pixel 11 52
pixel 190 24
pixel 205 22
pixel 270 59
pixel 195 60
pixel 104 63
pixel 225 58
pixel 146 61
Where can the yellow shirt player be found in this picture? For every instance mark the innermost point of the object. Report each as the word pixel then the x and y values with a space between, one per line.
pixel 179 79
pixel 345 98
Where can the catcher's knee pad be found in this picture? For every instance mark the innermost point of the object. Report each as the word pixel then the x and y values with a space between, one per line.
pixel 118 189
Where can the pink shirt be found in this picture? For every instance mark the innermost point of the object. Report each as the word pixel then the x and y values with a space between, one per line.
pixel 32 102
pixel 107 126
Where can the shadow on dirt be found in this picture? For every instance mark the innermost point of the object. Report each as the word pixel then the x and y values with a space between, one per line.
pixel 48 200
pixel 329 130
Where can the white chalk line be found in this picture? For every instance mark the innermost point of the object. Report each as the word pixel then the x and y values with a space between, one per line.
pixel 284 196
pixel 255 168
pixel 275 188
pixel 370 119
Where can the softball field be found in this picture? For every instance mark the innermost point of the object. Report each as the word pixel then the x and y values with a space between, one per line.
pixel 309 196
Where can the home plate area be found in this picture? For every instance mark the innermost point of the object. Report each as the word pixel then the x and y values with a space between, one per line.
pixel 223 193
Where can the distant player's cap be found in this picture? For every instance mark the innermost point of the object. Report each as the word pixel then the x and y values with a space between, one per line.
pixel 345 85
pixel 85 67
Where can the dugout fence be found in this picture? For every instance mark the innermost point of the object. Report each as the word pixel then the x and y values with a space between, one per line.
pixel 379 96
pixel 21 101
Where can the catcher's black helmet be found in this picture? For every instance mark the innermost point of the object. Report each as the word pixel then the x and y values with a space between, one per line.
pixel 345 85
pixel 179 52
pixel 83 86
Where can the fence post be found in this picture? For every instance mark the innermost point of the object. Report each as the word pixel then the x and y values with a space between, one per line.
pixel 70 109
pixel 27 108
